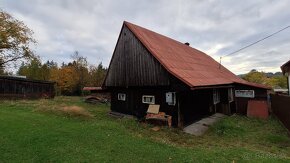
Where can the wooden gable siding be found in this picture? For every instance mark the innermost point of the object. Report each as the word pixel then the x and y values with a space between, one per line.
pixel 133 65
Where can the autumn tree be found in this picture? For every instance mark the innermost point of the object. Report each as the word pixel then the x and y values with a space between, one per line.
pixel 277 81
pixel 97 74
pixel 65 78
pixel 15 40
pixel 256 77
pixel 80 64
pixel 274 81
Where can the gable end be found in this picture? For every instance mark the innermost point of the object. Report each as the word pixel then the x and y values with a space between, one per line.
pixel 133 65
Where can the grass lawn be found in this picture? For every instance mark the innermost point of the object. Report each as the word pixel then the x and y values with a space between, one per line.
pixel 49 131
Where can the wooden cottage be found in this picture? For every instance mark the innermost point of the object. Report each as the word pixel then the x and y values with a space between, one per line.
pixel 149 68
pixel 286 71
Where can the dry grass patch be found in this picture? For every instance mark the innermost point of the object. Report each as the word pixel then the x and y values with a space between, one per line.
pixel 71 111
pixel 76 111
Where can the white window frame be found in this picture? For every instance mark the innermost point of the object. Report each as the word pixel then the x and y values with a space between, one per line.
pixel 170 101
pixel 245 93
pixel 216 96
pixel 148 102
pixel 230 94
pixel 121 96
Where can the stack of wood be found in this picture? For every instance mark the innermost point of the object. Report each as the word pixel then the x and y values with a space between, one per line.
pixel 154 114
pixel 95 99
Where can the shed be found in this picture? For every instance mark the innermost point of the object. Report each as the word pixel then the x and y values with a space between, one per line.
pixel 149 68
pixel 286 71
pixel 13 87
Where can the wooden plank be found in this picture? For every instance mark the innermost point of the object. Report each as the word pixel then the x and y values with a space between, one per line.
pixel 154 109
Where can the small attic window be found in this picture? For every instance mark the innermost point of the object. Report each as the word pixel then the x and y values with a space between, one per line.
pixel 125 33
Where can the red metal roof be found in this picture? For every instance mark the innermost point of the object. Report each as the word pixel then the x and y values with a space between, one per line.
pixel 188 64
pixel 92 88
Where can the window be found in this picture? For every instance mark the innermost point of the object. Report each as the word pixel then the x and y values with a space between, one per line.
pixel 147 99
pixel 170 98
pixel 245 93
pixel 121 96
pixel 230 95
pixel 216 96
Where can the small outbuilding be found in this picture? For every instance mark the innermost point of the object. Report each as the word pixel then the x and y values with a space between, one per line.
pixel 149 68
pixel 13 87
pixel 286 71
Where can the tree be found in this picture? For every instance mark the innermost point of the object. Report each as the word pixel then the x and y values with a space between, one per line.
pixel 32 70
pixel 15 40
pixel 276 80
pixel 46 69
pixel 256 77
pixel 97 74
pixel 67 80
pixel 80 65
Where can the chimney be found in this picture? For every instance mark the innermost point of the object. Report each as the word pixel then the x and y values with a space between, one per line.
pixel 187 43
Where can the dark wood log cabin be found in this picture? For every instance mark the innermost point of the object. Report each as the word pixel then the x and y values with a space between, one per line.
pixel 149 68
pixel 12 87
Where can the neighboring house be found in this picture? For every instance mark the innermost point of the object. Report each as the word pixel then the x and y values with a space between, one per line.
pixel 281 91
pixel 286 71
pixel 149 68
pixel 12 87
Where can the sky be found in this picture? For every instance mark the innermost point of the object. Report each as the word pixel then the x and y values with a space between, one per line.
pixel 217 28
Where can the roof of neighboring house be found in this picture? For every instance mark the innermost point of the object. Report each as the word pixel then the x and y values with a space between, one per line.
pixel 285 67
pixel 280 90
pixel 188 64
pixel 92 88
pixel 22 78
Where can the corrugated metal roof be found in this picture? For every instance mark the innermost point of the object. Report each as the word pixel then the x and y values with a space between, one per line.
pixel 24 79
pixel 188 64
pixel 92 88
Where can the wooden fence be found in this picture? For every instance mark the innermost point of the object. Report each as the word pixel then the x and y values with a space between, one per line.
pixel 280 105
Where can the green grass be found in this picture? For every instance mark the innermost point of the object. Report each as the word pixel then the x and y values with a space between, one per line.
pixel 39 131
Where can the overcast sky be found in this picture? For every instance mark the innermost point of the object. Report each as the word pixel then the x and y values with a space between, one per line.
pixel 214 27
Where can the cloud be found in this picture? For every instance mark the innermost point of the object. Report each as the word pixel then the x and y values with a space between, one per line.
pixel 215 27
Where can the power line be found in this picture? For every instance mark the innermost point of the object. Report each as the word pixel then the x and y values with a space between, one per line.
pixel 234 52
pixel 257 41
